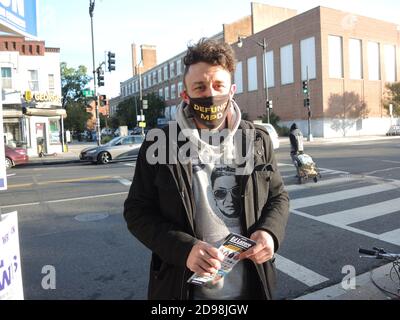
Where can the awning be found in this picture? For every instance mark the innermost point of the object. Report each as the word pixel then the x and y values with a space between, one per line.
pixel 46 112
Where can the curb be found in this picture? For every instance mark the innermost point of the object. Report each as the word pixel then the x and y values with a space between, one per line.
pixel 364 288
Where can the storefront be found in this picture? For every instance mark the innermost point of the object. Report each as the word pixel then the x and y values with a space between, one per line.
pixel 38 120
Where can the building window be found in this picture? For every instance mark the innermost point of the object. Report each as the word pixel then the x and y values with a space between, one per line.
pixel 30 49
pixel 270 69
pixel 51 83
pixel 6 78
pixel 374 61
pixel 160 92
pixel 252 73
pixel 180 88
pixel 54 133
pixel 355 59
pixel 154 77
pixel 33 80
pixel 165 72
pixel 335 57
pixel 308 63
pixel 173 91
pixel 159 75
pixel 38 49
pixel 172 69
pixel 287 75
pixel 166 93
pixel 390 63
pixel 178 67
pixel 238 77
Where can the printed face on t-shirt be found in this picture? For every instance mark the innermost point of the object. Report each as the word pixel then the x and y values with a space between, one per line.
pixel 226 193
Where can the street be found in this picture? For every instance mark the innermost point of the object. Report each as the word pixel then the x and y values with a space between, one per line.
pixel 70 218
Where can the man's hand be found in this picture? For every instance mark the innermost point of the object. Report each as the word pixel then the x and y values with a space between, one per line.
pixel 263 250
pixel 204 259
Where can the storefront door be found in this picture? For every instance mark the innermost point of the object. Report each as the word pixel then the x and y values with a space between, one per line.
pixel 41 136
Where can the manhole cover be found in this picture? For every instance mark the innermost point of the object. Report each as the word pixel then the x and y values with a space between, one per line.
pixel 87 217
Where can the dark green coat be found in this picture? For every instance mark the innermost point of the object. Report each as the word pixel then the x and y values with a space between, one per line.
pixel 159 212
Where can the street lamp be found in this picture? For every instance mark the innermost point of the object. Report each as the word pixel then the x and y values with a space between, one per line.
pixel 91 9
pixel 263 45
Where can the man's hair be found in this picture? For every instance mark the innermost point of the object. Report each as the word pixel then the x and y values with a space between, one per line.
pixel 212 52
pixel 222 172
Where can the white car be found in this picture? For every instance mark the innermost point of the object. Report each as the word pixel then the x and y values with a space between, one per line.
pixel 272 133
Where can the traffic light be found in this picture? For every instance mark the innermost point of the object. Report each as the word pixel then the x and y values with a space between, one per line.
pixel 111 61
pixel 100 77
pixel 306 102
pixel 269 104
pixel 103 100
pixel 305 87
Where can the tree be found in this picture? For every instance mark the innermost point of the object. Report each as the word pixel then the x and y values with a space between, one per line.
pixel 73 81
pixel 126 111
pixel 393 97
pixel 77 117
pixel 155 110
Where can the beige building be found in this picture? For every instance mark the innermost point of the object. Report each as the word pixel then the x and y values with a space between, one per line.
pixel 347 58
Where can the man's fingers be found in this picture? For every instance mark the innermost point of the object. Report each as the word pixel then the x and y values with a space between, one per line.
pixel 214 253
pixel 252 251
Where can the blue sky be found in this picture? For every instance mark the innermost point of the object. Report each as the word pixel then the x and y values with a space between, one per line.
pixel 168 24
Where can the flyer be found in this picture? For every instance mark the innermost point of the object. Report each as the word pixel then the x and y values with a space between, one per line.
pixel 234 244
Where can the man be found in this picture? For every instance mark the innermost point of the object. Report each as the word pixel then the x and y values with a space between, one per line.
pixel 172 209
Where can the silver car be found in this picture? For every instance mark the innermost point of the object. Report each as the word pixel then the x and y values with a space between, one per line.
pixel 119 148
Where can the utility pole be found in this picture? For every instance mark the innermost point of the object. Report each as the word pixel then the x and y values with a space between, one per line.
pixel 91 9
pixel 309 136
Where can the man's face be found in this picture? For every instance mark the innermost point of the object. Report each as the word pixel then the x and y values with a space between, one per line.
pixel 205 80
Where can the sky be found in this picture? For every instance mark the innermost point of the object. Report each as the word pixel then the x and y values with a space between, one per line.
pixel 170 25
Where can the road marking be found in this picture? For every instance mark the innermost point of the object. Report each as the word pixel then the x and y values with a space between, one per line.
pixel 382 170
pixel 384 237
pixel 11 174
pixel 20 205
pixel 351 216
pixel 340 195
pixel 391 236
pixel 59 181
pixel 130 164
pixel 295 187
pixel 64 200
pixel 299 272
pixel 88 197
pixel 390 161
pixel 123 181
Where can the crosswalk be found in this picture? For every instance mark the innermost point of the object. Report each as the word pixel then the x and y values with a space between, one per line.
pixel 364 205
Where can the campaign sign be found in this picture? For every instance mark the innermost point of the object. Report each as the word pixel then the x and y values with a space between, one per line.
pixel 11 287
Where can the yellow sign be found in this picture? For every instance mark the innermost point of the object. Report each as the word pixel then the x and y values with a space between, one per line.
pixel 41 97
pixel 142 124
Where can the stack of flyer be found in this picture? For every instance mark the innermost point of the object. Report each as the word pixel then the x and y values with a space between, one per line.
pixel 234 244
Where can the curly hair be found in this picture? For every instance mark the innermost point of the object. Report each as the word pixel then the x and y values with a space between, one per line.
pixel 212 52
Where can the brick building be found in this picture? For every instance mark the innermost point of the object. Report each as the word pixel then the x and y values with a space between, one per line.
pixel 347 58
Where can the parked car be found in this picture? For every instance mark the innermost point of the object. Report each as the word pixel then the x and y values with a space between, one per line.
pixel 394 131
pixel 15 156
pixel 119 148
pixel 272 133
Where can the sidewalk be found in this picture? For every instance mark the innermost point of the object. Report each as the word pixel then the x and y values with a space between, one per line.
pixel 71 156
pixel 364 288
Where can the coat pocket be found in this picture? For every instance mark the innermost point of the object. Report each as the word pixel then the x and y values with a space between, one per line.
pixel 261 176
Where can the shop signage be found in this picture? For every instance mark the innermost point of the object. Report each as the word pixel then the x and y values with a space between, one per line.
pixel 30 96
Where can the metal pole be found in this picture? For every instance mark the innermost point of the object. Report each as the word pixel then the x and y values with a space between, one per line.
pixel 140 96
pixel 62 133
pixel 91 9
pixel 265 71
pixel 309 136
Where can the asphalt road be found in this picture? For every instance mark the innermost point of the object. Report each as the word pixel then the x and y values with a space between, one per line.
pixel 70 218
